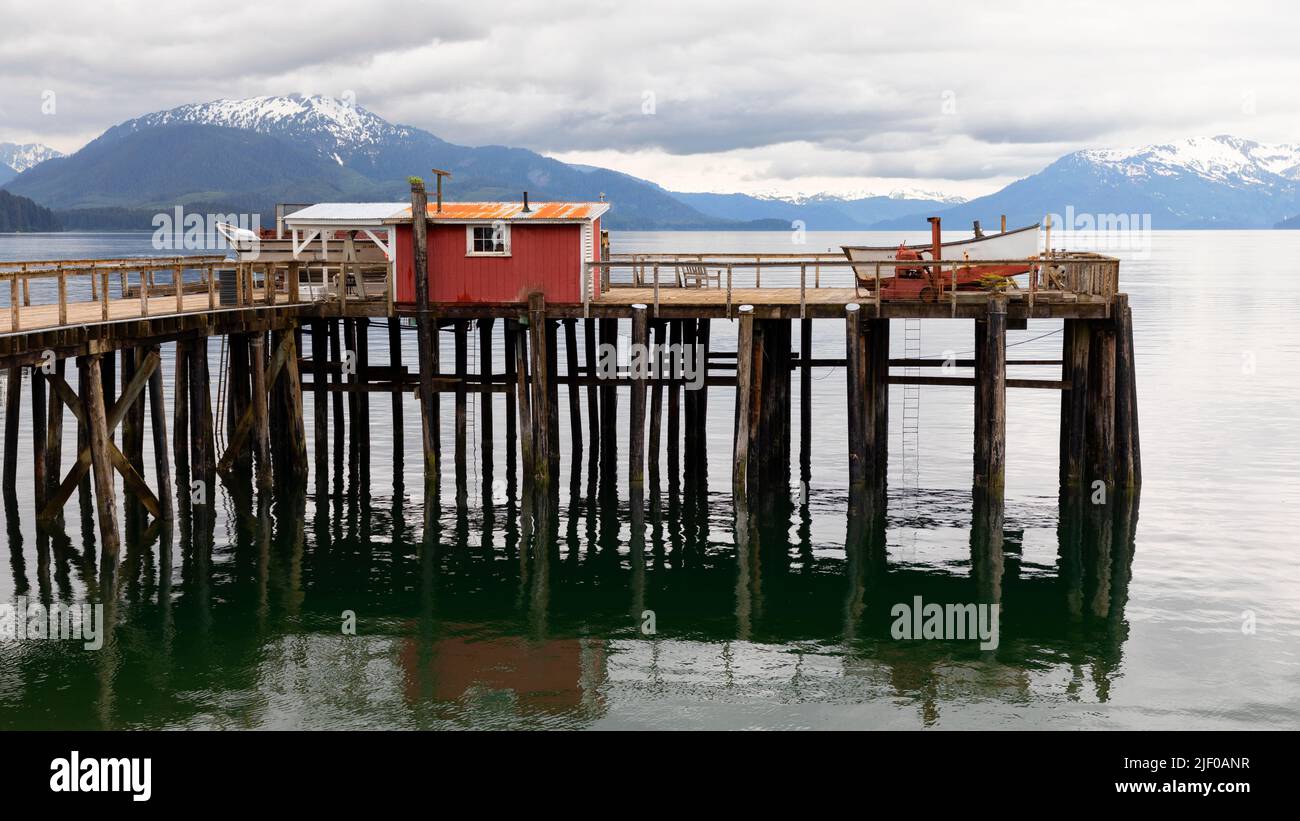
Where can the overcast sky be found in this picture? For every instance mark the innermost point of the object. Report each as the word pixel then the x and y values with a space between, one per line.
pixel 797 96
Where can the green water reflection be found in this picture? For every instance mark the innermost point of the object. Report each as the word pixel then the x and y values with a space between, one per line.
pixel 533 613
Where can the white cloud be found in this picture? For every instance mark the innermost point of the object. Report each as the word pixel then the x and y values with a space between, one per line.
pixel 770 96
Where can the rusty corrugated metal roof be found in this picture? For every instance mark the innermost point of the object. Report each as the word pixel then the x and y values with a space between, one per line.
pixel 510 211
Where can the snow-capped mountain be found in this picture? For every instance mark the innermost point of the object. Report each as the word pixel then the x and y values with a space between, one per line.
pixel 337 129
pixel 1223 159
pixel 1198 182
pixel 804 197
pixel 22 156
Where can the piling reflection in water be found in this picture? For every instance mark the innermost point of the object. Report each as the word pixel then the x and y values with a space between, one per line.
pixel 534 612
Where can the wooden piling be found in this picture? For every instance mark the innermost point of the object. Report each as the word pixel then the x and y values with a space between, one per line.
pixel 674 404
pixel 510 338
pixel 636 433
pixel 523 402
pixel 353 394
pixel 289 453
pixel 261 411
pixel 181 412
pixel 485 424
pixel 395 365
pixel 238 393
pixel 878 407
pixel 338 380
pixel 320 399
pixel 700 441
pixel 426 331
pixel 574 390
pixel 461 331
pixel 40 417
pixel 805 401
pixel 54 435
pixel 593 402
pixel 608 405
pixel 1100 446
pixel 158 427
pixel 690 405
pixel 202 458
pixel 100 462
pixel 856 394
pixel 991 397
pixel 656 416
pixel 363 397
pixel 540 390
pixel 13 407
pixel 133 421
pixel 553 395
pixel 769 453
pixel 744 402
pixel 1075 356
pixel 1128 457
pixel 84 487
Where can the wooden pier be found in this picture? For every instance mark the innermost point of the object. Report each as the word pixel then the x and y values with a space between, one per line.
pixel 296 332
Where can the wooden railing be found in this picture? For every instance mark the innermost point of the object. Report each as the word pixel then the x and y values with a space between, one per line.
pixel 1089 275
pixel 85 290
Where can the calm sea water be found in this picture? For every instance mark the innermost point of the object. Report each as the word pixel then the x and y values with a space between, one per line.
pixel 471 620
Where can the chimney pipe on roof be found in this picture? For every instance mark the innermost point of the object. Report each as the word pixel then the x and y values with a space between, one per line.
pixel 526 210
pixel 440 174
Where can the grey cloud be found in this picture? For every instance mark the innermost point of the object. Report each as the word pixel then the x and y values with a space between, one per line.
pixel 888 89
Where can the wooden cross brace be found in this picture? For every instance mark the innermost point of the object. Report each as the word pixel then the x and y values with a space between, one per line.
pixel 245 424
pixel 134 482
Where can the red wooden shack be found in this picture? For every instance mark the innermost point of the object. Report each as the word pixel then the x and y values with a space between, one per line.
pixel 483 252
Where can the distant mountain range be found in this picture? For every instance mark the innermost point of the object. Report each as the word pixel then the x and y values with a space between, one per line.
pixel 822 212
pixel 1201 182
pixel 247 155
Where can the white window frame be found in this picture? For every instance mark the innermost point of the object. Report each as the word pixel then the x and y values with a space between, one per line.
pixel 469 240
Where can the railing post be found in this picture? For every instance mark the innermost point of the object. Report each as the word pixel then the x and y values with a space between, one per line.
pixel 728 290
pixel 63 296
pixel 953 297
pixel 178 275
pixel 877 294
pixel 13 302
pixel 803 290
pixel 103 296
pixel 1033 288
pixel 656 274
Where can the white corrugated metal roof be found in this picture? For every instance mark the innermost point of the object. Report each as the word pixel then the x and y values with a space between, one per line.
pixel 345 213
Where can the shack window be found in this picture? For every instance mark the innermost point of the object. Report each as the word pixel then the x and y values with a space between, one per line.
pixel 488 240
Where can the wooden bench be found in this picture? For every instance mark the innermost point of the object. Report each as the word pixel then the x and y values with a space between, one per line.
pixel 698 276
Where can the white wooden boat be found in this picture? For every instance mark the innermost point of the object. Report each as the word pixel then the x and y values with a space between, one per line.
pixel 1005 248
